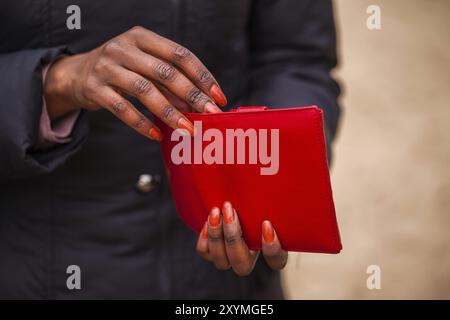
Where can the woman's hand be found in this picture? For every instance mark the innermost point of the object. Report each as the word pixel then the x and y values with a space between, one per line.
pixel 221 242
pixel 139 63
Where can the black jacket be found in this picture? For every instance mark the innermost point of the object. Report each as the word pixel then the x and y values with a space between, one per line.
pixel 77 203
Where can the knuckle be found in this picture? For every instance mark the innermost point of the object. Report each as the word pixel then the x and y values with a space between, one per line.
pixel 232 239
pixel 168 112
pixel 136 29
pixel 166 71
pixel 195 96
pixel 103 68
pixel 90 88
pixel 213 237
pixel 118 106
pixel 113 46
pixel 140 122
pixel 142 86
pixel 181 53
pixel 204 76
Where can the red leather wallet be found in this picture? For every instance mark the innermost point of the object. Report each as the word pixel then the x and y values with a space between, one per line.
pixel 292 190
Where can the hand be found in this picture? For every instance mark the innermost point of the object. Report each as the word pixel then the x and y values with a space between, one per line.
pixel 221 242
pixel 138 63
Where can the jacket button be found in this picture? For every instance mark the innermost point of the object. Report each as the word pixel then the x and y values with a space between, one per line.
pixel 146 183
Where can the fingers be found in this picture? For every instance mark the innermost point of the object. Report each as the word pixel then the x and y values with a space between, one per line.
pixel 168 50
pixel 216 244
pixel 274 255
pixel 202 244
pixel 167 75
pixel 221 242
pixel 125 111
pixel 242 260
pixel 174 100
pixel 149 95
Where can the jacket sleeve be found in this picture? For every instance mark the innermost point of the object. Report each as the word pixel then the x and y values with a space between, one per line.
pixel 20 110
pixel 293 50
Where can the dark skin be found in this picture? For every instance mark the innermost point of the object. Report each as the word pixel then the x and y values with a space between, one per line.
pixel 138 63
pixel 221 243
pixel 167 79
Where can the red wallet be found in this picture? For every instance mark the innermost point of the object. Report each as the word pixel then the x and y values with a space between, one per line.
pixel 270 164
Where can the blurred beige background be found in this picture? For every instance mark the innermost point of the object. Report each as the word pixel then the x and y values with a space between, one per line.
pixel 391 174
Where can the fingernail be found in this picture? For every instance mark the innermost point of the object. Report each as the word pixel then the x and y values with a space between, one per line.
pixel 155 134
pixel 186 125
pixel 214 217
pixel 204 232
pixel 218 96
pixel 267 232
pixel 183 132
pixel 228 212
pixel 211 108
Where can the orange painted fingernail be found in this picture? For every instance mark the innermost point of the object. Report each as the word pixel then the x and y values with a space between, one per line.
pixel 268 232
pixel 218 96
pixel 211 108
pixel 186 125
pixel 214 217
pixel 228 212
pixel 155 134
pixel 204 233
